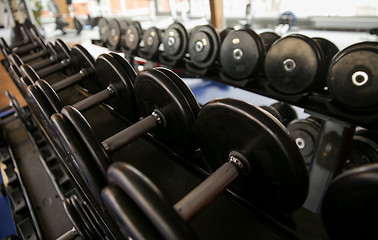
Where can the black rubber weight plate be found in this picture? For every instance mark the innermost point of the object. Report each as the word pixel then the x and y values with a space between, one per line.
pixel 151 38
pixel 110 72
pixel 133 37
pixel 114 33
pixel 103 29
pixel 82 59
pixel 350 209
pixel 269 38
pixel 285 76
pixel 278 179
pixel 126 65
pixel 154 90
pixel 50 94
pixel 352 79
pixel 239 54
pixel 185 90
pixel 62 49
pixel 175 41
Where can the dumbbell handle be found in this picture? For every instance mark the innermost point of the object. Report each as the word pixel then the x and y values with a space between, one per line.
pixel 28 47
pixel 70 235
pixel 43 63
pixel 201 196
pixel 71 80
pixel 30 57
pixel 53 68
pixel 95 99
pixel 131 133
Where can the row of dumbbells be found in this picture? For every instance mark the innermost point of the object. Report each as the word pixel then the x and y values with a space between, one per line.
pixel 294 64
pixel 167 105
pixel 174 113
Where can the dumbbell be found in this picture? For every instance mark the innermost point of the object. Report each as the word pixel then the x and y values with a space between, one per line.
pixel 349 206
pixel 34 44
pixel 242 51
pixel 167 106
pixel 351 77
pixel 132 38
pixel 203 48
pixel 116 33
pixel 151 41
pixel 252 151
pixel 82 63
pixel 296 64
pixel 282 111
pixel 175 41
pixel 60 59
pixel 114 77
pixel 363 149
pixel 305 133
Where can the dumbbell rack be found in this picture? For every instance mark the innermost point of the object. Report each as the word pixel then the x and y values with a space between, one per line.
pixel 337 127
pixel 229 216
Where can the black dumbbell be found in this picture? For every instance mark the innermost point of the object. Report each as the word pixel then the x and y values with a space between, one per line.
pixel 60 59
pixel 169 109
pixel 242 51
pixel 239 153
pixel 305 133
pixel 203 48
pixel 110 79
pixel 132 38
pixel 175 41
pixel 363 149
pixel 26 56
pixel 296 64
pixel 350 205
pixel 351 77
pixel 151 41
pixel 116 33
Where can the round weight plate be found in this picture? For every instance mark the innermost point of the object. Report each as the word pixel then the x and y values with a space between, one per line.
pixel 42 107
pixel 18 109
pixel 349 207
pixel 353 74
pixel 126 66
pixel 185 90
pixel 362 151
pixel 123 23
pixel 15 60
pixel 114 34
pixel 269 38
pixel 88 137
pixel 329 49
pixel 356 46
pixel 133 36
pixel 154 90
pixel 152 40
pixel 103 29
pixel 175 40
pixel 85 218
pixel 292 64
pixel 50 95
pixel 286 112
pixel 305 134
pixel 76 220
pixel 203 46
pixel 154 206
pixel 51 50
pixel 277 180
pixel 240 53
pixel 223 34
pixel 28 74
pixel 110 73
pixel 4 47
pixel 81 59
pixel 62 49
pixel 90 169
